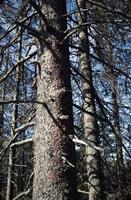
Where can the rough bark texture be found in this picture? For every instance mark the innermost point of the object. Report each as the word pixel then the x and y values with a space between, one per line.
pixel 90 124
pixel 54 179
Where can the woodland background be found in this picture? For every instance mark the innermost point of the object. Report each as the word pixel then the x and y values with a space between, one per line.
pixel 65 71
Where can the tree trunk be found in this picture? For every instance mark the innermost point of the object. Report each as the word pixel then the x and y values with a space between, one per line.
pixel 90 123
pixel 112 78
pixel 2 175
pixel 119 151
pixel 54 170
pixel 12 151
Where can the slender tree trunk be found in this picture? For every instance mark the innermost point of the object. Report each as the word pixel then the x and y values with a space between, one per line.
pixel 119 150
pixel 54 171
pixel 10 187
pixel 21 169
pixel 111 76
pixel 110 73
pixel 12 152
pixel 2 175
pixel 90 124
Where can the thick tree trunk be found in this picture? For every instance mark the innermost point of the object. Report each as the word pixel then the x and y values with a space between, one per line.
pixel 89 120
pixel 54 177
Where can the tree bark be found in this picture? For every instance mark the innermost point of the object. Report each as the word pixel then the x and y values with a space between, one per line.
pixel 54 178
pixel 89 120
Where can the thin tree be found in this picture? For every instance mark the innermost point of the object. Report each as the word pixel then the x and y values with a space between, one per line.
pixel 89 118
pixel 12 151
pixel 112 77
pixel 2 174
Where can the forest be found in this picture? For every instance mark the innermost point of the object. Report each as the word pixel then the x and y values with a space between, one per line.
pixel 65 100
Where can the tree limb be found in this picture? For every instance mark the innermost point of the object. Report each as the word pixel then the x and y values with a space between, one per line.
pixel 17 132
pixel 23 194
pixel 21 142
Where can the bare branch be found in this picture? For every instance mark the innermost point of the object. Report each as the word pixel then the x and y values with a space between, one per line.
pixel 23 194
pixel 21 142
pixel 17 132
pixel 3 78
pixel 76 140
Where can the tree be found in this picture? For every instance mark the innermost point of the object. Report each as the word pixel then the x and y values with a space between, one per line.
pixel 2 173
pixel 59 49
pixel 90 126
pixel 112 78
pixel 12 151
pixel 54 171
